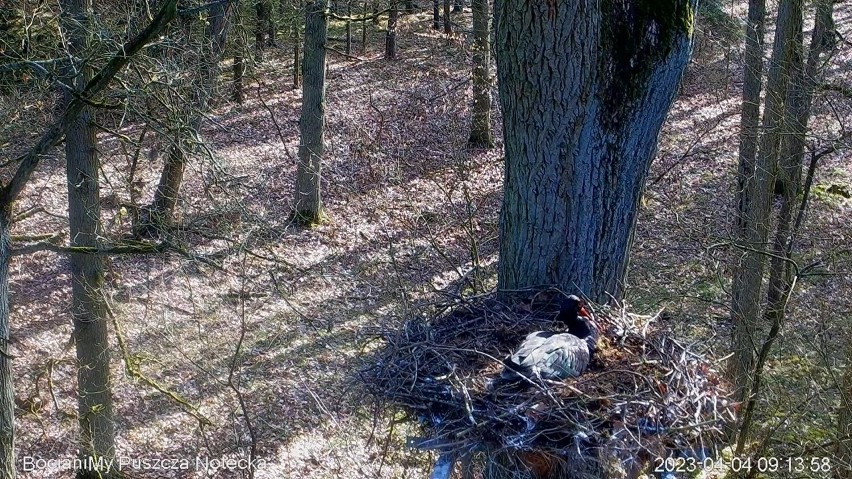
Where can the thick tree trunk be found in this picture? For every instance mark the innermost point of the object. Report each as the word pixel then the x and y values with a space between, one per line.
pixel 448 26
pixel 307 202
pixel 580 122
pixel 94 391
pixel 390 36
pixel 7 392
pixel 746 289
pixel 168 190
pixel 480 130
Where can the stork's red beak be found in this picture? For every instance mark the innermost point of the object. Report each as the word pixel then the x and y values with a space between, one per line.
pixel 583 312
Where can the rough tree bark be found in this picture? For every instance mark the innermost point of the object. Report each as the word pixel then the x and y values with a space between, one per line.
pixel 754 224
pixel 584 87
pixel 480 130
pixel 7 391
pixel 94 389
pixel 168 190
pixel 390 36
pixel 307 202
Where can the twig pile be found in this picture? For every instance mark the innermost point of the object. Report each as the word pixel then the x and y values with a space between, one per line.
pixel 645 395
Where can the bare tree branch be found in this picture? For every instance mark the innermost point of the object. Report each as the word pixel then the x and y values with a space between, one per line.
pixel 100 81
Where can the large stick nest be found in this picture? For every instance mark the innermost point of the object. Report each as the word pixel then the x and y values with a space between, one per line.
pixel 644 392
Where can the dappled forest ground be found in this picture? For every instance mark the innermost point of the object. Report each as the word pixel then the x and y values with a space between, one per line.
pixel 285 323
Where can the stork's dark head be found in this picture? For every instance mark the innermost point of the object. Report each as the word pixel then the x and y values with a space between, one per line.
pixel 570 308
pixel 573 313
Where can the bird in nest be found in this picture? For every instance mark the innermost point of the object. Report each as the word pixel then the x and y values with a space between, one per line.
pixel 552 355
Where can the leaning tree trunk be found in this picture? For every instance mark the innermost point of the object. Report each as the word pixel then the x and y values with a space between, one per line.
pixel 480 129
pixel 307 202
pixel 168 190
pixel 585 87
pixel 7 391
pixel 94 391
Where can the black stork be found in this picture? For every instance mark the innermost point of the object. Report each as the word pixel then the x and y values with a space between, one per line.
pixel 552 355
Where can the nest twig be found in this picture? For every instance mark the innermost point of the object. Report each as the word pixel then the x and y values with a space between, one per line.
pixel 644 394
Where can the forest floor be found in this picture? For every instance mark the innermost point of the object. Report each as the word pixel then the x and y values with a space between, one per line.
pixel 268 347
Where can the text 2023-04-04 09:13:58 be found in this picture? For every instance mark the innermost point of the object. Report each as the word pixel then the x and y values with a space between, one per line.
pixel 744 464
